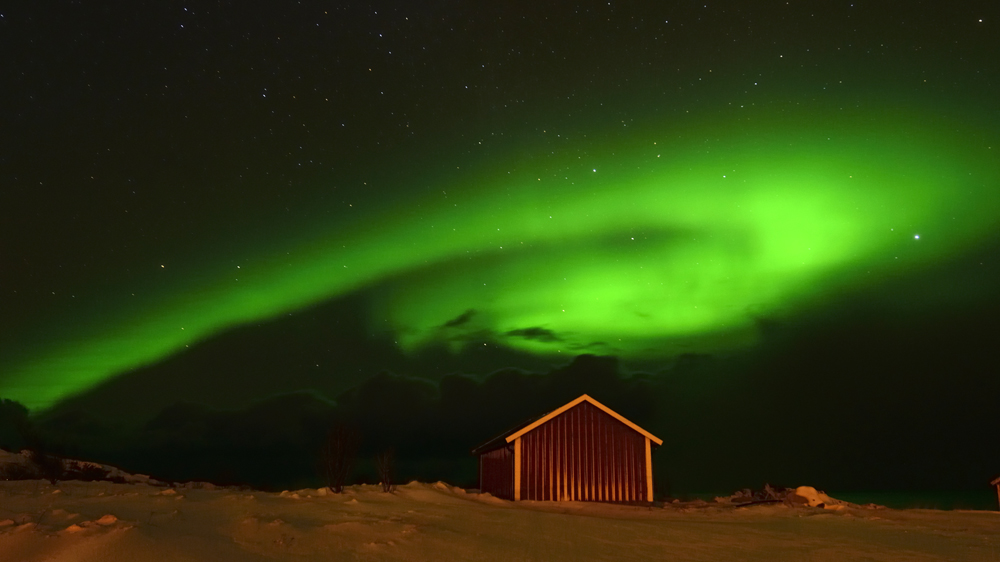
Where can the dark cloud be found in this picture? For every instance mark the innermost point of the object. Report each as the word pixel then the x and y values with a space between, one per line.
pixel 592 347
pixel 534 333
pixel 460 319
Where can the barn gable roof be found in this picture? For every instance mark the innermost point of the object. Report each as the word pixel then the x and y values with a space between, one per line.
pixel 512 434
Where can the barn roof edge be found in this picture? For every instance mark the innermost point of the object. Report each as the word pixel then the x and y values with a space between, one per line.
pixel 582 398
pixel 510 435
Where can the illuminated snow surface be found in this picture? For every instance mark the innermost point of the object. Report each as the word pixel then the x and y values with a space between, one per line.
pixel 102 521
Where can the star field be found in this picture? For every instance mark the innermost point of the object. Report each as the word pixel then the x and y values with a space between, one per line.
pixel 631 180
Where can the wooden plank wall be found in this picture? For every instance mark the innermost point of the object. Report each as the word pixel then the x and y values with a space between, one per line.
pixel 496 472
pixel 583 455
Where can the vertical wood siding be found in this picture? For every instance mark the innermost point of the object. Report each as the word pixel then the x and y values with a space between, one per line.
pixel 581 455
pixel 496 472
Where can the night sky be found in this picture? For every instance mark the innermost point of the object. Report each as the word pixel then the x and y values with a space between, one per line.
pixel 768 234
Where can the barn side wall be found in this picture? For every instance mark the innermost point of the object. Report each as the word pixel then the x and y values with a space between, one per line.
pixel 583 455
pixel 496 472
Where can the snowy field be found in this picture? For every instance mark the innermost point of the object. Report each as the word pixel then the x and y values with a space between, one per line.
pixel 97 521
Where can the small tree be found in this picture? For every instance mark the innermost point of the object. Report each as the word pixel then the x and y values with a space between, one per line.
pixel 338 455
pixel 385 465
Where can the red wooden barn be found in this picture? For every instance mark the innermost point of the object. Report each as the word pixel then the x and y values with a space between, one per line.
pixel 582 451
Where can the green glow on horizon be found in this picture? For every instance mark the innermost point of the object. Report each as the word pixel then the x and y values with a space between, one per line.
pixel 638 248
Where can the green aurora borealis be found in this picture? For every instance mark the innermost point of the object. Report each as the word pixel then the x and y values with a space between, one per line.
pixel 677 237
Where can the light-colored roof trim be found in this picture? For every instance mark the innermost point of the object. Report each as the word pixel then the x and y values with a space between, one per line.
pixel 583 398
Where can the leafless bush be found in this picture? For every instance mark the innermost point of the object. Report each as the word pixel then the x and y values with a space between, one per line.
pixel 338 455
pixel 385 465
pixel 766 494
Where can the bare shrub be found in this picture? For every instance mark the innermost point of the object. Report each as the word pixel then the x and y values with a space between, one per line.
pixel 338 455
pixel 385 466
pixel 767 494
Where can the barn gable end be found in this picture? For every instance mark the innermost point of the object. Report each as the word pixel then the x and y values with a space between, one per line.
pixel 582 451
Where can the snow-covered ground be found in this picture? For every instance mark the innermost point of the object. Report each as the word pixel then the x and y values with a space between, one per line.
pixel 97 521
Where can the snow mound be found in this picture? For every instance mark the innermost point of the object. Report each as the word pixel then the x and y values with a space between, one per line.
pixel 808 495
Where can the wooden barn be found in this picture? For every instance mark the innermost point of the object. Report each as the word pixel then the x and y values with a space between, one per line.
pixel 582 451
